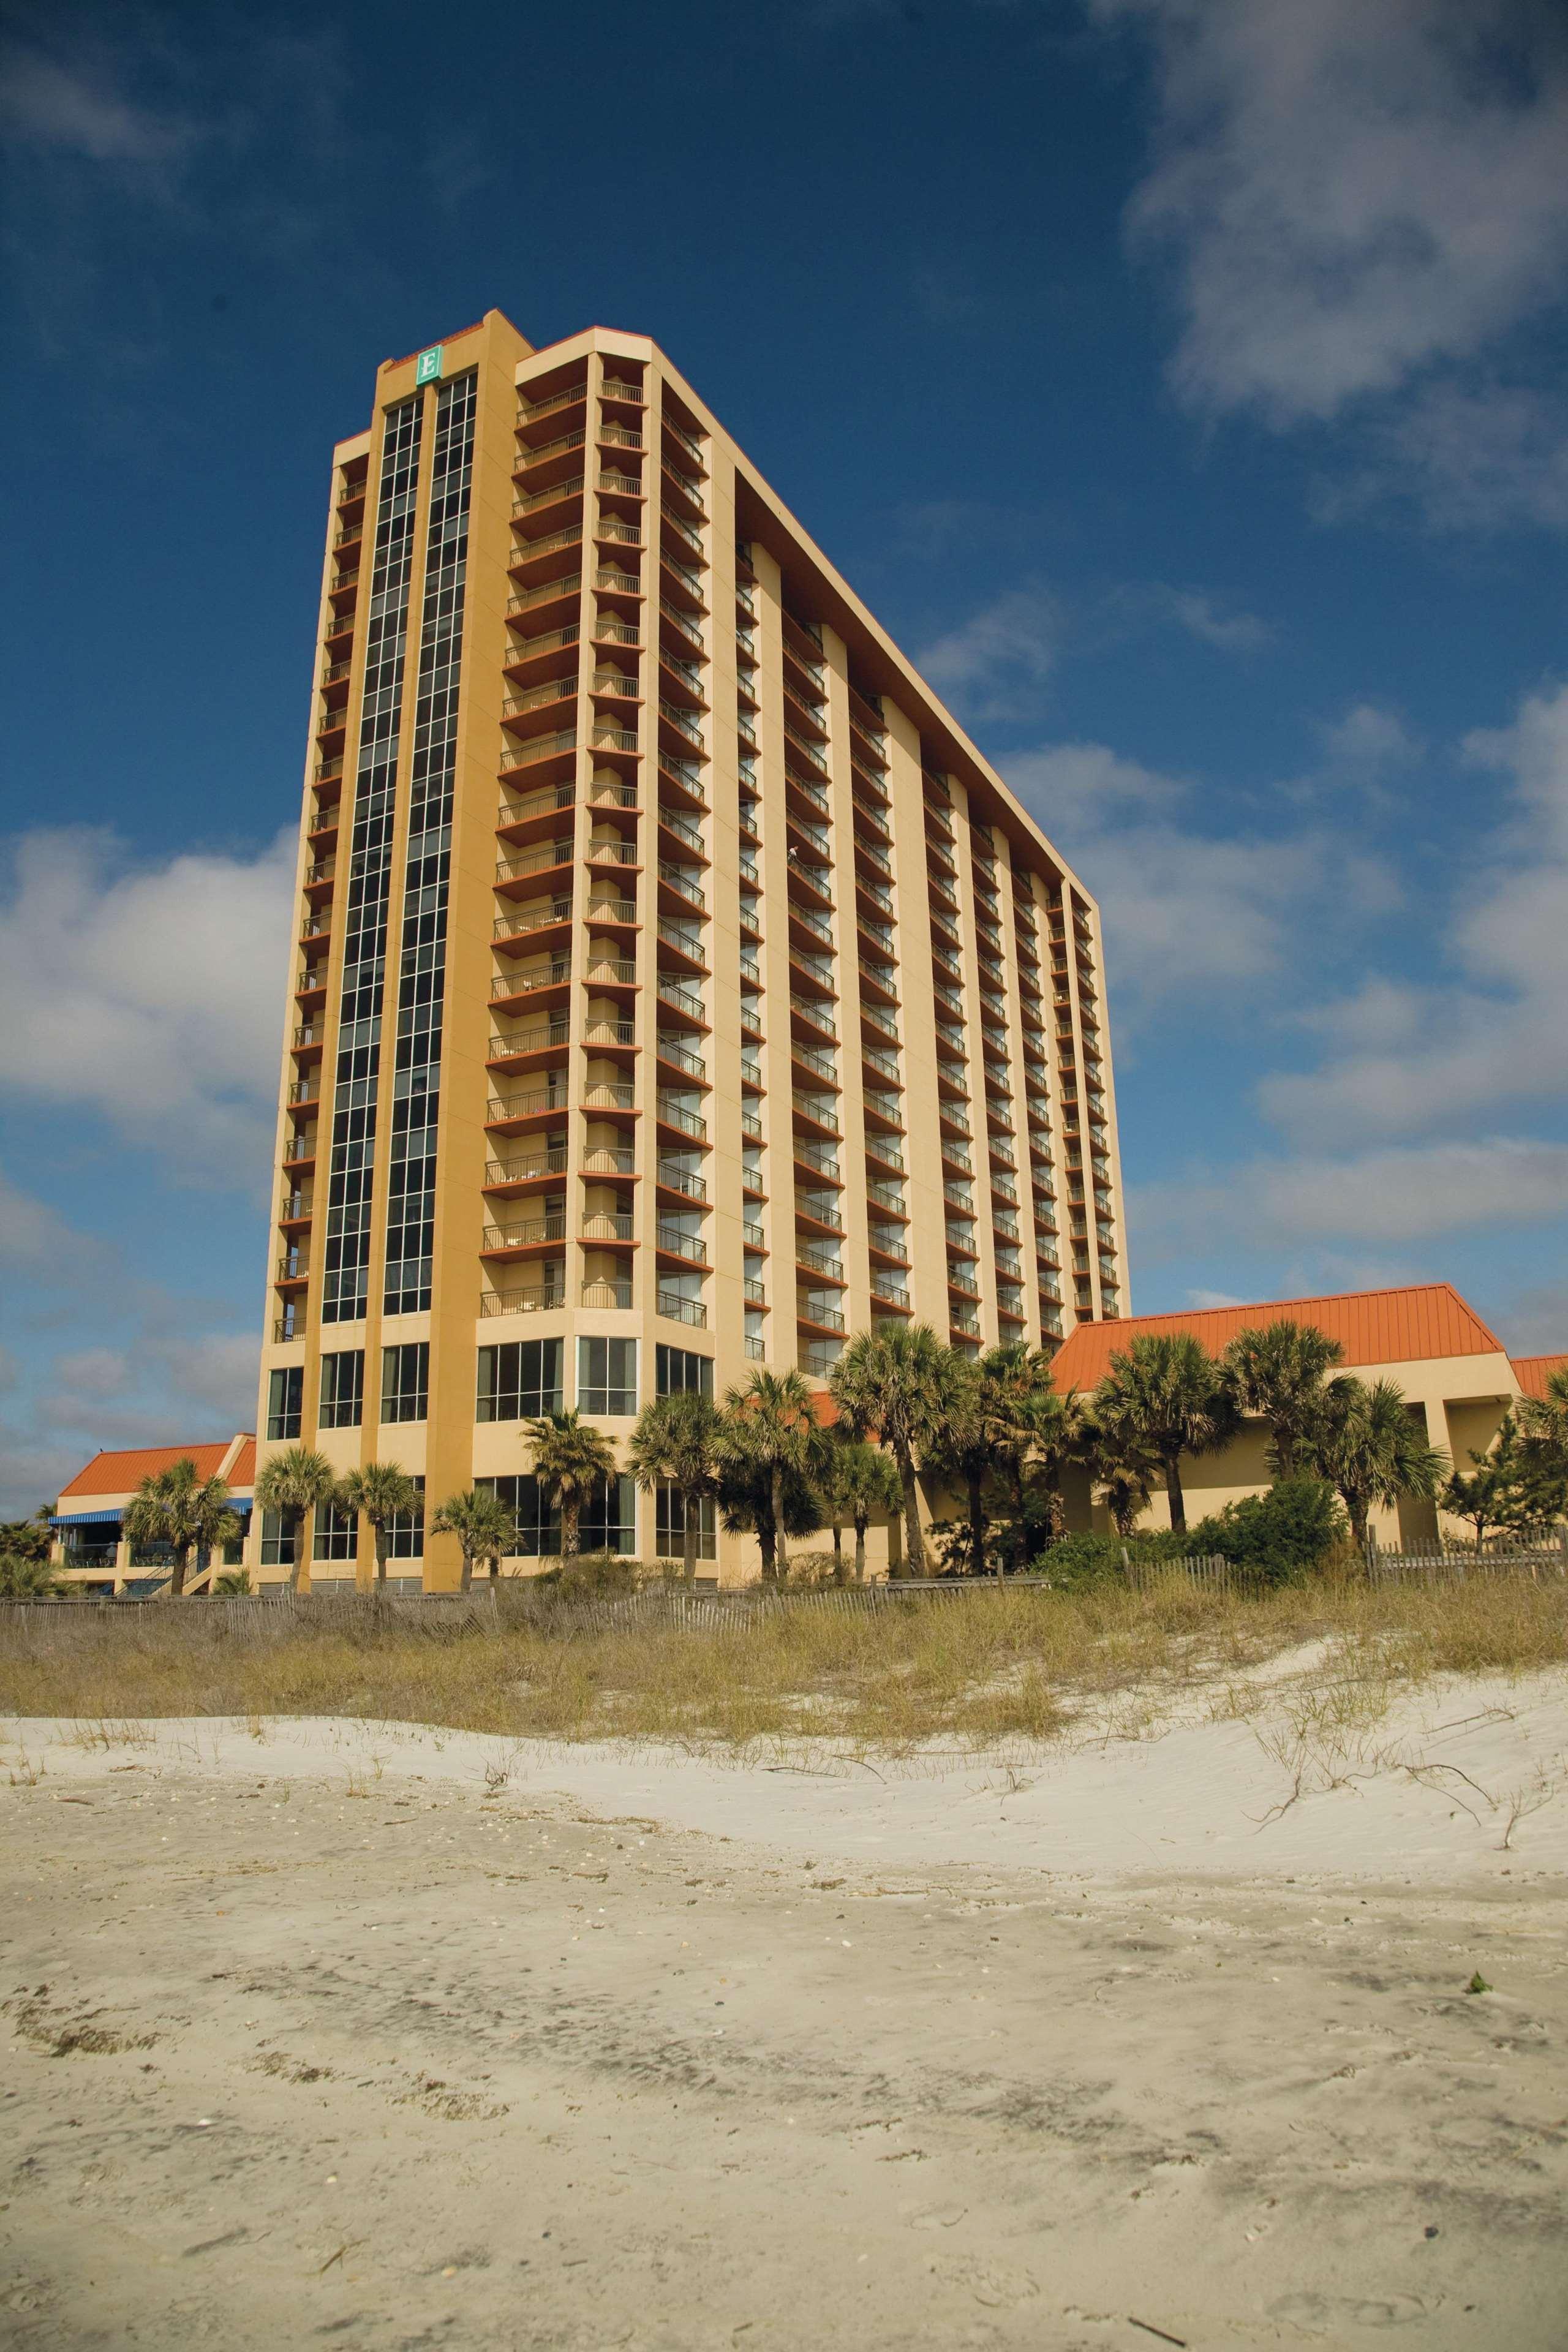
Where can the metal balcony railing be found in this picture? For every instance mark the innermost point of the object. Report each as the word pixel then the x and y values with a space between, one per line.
pixel 687 1121
pixel 672 1050
pixel 682 1311
pixel 538 1299
pixel 538 746
pixel 612 911
pixel 524 1171
pixel 527 920
pixel 678 1244
pixel 551 495
pixel 681 1180
pixel 537 1229
pixel 547 593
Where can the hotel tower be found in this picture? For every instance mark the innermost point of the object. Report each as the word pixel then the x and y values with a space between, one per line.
pixel 674 987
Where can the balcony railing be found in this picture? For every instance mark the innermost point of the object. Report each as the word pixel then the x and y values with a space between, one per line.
pixel 609 1160
pixel 675 878
pixel 625 485
pixel 607 1226
pixel 556 448
pixel 527 920
pixel 529 1041
pixel 687 942
pixel 672 1050
pixel 814 1010
pixel 751 1125
pixel 687 1121
pixel 534 861
pixel 530 1105
pixel 682 1311
pixel 535 1301
pixel 551 496
pixel 617 580
pixel 887 1062
pixel 681 1180
pixel 527 410
pixel 538 746
pixel 538 698
pixel 545 593
pixel 820 1156
pixel 612 911
pixel 830 1317
pixel 538 1229
pixel 892 1294
pixel 606 1294
pixel 691 1246
pixel 822 1261
pixel 522 1171
pixel 825 1064
pixel 821 1109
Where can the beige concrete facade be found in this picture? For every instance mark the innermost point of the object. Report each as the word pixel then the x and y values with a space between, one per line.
pixel 764 1010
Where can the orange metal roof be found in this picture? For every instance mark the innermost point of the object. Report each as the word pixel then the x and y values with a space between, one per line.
pixel 1533 1372
pixel 1374 1327
pixel 121 1473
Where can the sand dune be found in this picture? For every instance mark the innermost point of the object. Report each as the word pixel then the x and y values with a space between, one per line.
pixel 399 2038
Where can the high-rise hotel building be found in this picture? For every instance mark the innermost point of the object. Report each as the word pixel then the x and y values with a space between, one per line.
pixel 675 988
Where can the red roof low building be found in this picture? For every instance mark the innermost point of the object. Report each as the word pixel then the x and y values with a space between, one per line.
pixel 1457 1377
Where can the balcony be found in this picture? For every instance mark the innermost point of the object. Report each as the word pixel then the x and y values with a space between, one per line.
pixel 607 1226
pixel 621 912
pixel 516 1110
pixel 554 494
pixel 675 878
pixel 685 1122
pixel 502 1175
pixel 535 749
pixel 821 1065
pixel 691 1248
pixel 503 1240
pixel 683 1310
pixel 684 943
pixel 529 412
pixel 821 1260
pixel 538 1298
pixel 681 1180
pixel 816 1316
pixel 691 1066
pixel 527 922
pixel 893 1294
pixel 817 1111
pixel 548 858
pixel 817 1014
pixel 682 1001
pixel 820 1158
pixel 569 586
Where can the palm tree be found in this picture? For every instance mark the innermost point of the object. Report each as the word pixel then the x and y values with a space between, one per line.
pixel 772 1434
pixel 293 1483
pixel 484 1527
pixel 897 1382
pixel 1170 1395
pixel 962 1452
pixel 1543 1421
pixel 860 1484
pixel 1015 1400
pixel 1513 1486
pixel 178 1508
pixel 1276 1375
pixel 1063 1434
pixel 679 1439
pixel 379 1492
pixel 571 1457
pixel 1371 1449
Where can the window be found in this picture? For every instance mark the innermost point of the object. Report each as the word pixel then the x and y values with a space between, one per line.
pixel 607 1522
pixel 341 1402
pixel 677 1369
pixel 520 1380
pixel 405 1530
pixel 538 1527
pixel 406 1381
pixel 276 1547
pixel 608 1376
pixel 285 1400
pixel 337 1532
pixel 609 1516
pixel 669 1523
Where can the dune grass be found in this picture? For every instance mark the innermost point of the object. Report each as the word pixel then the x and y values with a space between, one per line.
pixel 974 1672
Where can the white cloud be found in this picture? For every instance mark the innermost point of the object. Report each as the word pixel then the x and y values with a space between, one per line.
pixel 1201 1299
pixel 1369 738
pixel 1204 617
pixel 1484 456
pixel 112 1359
pixel 1400 1196
pixel 1403 1059
pixel 148 995
pixel 997 663
pixel 1352 193
pixel 46 105
pixel 1186 914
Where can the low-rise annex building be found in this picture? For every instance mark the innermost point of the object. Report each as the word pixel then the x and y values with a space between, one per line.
pixel 90 1552
pixel 1457 1378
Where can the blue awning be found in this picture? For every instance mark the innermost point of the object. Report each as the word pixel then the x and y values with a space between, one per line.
pixel 85 1518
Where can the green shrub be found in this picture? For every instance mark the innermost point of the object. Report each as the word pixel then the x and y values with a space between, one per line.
pixel 1281 1536
pixel 604 1574
pixel 24 1578
pixel 1080 1560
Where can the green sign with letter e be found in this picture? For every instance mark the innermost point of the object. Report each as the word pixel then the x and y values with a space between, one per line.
pixel 427 366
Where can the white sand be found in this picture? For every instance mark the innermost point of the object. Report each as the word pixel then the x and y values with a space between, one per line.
pixel 402 2038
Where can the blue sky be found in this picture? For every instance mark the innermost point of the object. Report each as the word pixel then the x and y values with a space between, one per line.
pixel 1180 380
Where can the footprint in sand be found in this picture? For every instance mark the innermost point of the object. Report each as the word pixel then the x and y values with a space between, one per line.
pixel 1309 2309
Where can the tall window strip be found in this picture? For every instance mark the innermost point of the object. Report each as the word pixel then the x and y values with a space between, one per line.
pixel 416 1084
pixel 347 1262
